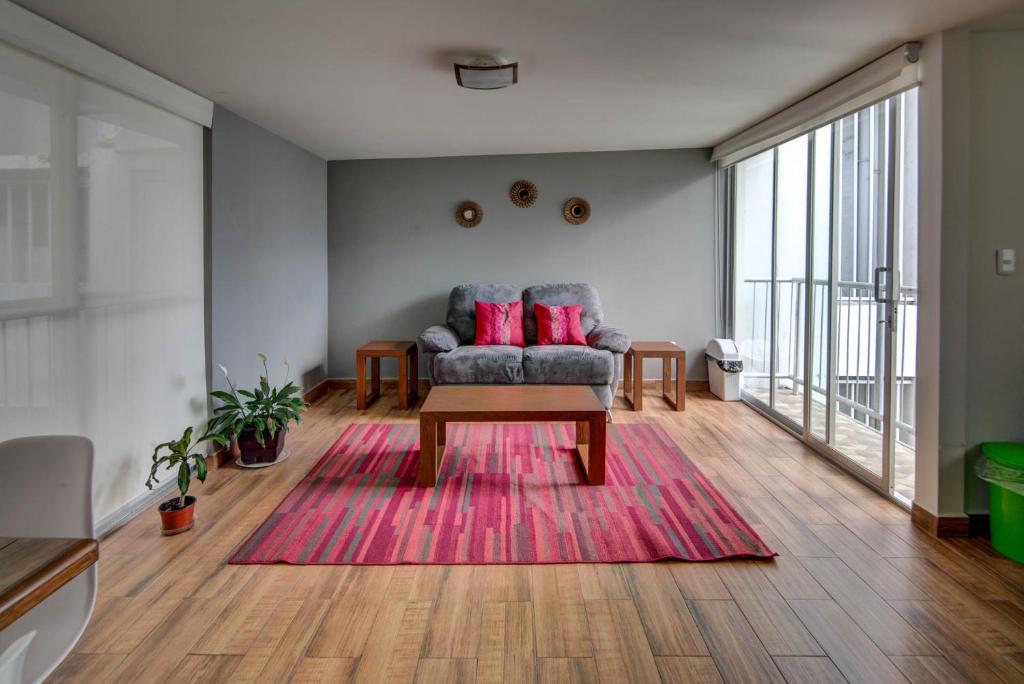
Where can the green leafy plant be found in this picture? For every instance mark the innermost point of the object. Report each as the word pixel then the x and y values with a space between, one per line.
pixel 264 409
pixel 180 454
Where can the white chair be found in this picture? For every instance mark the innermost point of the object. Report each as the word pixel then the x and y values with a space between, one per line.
pixel 46 491
pixel 12 661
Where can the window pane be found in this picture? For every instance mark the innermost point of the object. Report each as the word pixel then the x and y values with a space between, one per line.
pixel 790 277
pixel 753 216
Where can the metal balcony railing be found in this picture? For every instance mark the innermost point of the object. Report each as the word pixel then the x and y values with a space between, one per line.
pixel 857 357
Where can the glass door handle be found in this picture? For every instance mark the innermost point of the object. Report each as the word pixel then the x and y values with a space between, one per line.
pixel 878 285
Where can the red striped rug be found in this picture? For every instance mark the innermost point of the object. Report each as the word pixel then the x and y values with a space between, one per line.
pixel 508 493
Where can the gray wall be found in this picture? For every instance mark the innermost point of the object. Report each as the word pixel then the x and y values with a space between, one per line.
pixel 395 250
pixel 995 304
pixel 268 254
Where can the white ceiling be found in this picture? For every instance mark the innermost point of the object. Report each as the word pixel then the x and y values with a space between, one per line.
pixel 351 80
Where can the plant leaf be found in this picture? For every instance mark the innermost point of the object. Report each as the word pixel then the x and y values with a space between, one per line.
pixel 184 477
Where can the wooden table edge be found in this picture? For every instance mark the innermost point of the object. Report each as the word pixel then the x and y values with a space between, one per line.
pixel 31 591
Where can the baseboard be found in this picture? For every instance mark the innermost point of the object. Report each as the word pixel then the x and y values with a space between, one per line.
pixel 386 383
pixel 940 526
pixel 317 392
pixel 146 500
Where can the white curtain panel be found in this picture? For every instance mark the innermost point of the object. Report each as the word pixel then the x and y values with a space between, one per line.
pixel 101 269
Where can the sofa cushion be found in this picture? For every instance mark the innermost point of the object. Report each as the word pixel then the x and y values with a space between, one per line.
pixel 557 364
pixel 462 306
pixel 562 294
pixel 498 364
pixel 499 323
pixel 559 324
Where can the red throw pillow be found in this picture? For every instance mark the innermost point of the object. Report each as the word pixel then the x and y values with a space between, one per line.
pixel 499 323
pixel 559 324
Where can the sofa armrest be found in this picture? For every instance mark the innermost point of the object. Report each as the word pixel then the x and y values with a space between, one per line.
pixel 436 339
pixel 610 338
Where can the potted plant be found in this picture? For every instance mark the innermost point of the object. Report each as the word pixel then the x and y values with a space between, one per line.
pixel 178 514
pixel 257 419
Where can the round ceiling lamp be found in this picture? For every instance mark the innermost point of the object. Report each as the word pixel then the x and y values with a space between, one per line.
pixel 486 72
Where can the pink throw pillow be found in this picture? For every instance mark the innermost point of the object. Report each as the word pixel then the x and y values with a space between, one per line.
pixel 559 324
pixel 499 323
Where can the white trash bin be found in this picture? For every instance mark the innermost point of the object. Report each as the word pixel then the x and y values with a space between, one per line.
pixel 725 366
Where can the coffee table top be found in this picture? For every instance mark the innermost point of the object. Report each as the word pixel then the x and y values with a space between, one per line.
pixel 531 402
pixel 659 347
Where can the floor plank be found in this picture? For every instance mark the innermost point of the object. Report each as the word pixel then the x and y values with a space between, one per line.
pixel 621 649
pixel 733 644
pixel 852 651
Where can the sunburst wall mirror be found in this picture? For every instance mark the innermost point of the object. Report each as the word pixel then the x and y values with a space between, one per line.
pixel 469 214
pixel 576 210
pixel 523 193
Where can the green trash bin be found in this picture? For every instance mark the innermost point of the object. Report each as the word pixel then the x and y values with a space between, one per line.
pixel 1003 469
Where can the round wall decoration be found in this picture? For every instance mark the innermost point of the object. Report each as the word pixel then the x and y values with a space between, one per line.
pixel 576 210
pixel 469 214
pixel 523 193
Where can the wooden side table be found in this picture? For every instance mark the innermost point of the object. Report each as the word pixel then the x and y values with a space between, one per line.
pixel 408 371
pixel 633 382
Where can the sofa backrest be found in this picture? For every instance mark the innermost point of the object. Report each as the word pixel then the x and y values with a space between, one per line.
pixel 462 305
pixel 562 294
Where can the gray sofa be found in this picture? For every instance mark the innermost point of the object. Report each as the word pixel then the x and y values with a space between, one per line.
pixel 451 358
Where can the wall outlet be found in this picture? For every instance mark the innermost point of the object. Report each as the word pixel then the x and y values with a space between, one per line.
pixel 1006 261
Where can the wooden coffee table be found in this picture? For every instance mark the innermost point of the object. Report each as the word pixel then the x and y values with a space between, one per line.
pixel 513 403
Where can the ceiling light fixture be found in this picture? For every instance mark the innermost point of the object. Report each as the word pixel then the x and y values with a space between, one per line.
pixel 486 72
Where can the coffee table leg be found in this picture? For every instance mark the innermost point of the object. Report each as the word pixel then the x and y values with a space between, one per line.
pixel 442 435
pixel 582 430
pixel 596 451
pixel 428 453
pixel 403 382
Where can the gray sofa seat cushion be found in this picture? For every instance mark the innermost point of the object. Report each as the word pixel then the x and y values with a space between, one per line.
pixel 562 294
pixel 484 365
pixel 609 337
pixel 462 306
pixel 556 364
pixel 437 338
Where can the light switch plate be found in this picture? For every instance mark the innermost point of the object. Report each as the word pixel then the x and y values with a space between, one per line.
pixel 1006 261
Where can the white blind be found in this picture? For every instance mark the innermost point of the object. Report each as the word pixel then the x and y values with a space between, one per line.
pixel 101 269
pixel 891 74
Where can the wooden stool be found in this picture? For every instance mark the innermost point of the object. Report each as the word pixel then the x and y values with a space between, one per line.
pixel 633 370
pixel 408 371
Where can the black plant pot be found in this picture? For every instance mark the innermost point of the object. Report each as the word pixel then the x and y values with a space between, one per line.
pixel 250 451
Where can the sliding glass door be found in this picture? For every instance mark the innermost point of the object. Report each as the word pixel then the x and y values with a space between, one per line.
pixel 825 287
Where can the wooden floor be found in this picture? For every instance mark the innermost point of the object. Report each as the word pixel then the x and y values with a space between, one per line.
pixel 856 592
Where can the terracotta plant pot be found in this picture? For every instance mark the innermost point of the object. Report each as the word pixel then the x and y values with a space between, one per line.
pixel 252 453
pixel 175 520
